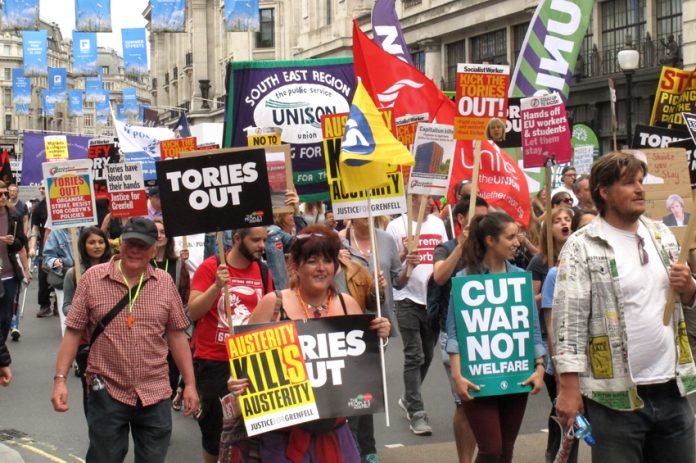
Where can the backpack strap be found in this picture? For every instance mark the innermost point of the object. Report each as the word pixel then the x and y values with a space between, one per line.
pixel 278 305
pixel 343 303
pixel 264 276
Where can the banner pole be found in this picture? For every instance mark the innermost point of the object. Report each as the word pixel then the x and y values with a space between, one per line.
pixel 451 219
pixel 375 272
pixel 226 293
pixel 683 255
pixel 76 254
pixel 475 179
pixel 413 243
pixel 550 259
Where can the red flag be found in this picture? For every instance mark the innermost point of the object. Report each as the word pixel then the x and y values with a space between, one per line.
pixel 394 83
pixel 6 169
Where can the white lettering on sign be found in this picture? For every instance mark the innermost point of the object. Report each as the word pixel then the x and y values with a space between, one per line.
pixel 324 354
pixel 556 45
pixel 490 293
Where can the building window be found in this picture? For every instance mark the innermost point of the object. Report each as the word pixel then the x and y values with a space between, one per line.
pixel 419 60
pixel 329 11
pixel 7 96
pixel 518 33
pixel 669 22
pixel 8 121
pixel 8 73
pixel 105 70
pixel 489 48
pixel 411 3
pixel 455 54
pixel 619 19
pixel 6 50
pixel 265 37
pixel 89 120
pixel 588 59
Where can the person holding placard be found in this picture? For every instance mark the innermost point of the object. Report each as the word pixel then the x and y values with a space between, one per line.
pixel 410 304
pixel 314 261
pixel 496 419
pixel 619 361
pixel 246 279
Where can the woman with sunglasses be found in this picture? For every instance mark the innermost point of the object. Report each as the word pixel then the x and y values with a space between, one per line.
pixel 562 198
pixel 496 420
pixel 313 263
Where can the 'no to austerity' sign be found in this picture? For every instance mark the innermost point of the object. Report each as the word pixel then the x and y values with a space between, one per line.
pixel 494 320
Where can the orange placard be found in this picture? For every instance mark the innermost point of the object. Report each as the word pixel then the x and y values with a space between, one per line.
pixel 172 149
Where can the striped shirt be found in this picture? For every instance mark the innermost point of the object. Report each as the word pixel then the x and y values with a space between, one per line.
pixel 131 361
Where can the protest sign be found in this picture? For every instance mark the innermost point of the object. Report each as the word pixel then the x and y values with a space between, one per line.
pixel 279 167
pixel 214 191
pixel 433 150
pixel 69 193
pixel 583 156
pixel 545 131
pixel 56 147
pixel 172 149
pixel 102 151
pixel 648 136
pixel 262 136
pixel 675 94
pixel 481 101
pixel 495 325
pixel 385 201
pixel 690 147
pixel 342 360
pixel 279 392
pixel 35 154
pixel 513 126
pixel 292 95
pixel 126 187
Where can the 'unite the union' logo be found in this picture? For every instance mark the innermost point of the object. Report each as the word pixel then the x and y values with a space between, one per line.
pixel 358 138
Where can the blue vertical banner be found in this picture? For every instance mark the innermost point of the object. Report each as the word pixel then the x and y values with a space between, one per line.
pixel 134 51
pixel 48 107
pixel 93 16
pixel 85 54
pixel 102 104
pixel 57 85
pixel 241 15
pixel 75 106
pixel 20 15
pixel 93 89
pixel 120 113
pixel 130 101
pixel 35 47
pixel 21 88
pixel 168 15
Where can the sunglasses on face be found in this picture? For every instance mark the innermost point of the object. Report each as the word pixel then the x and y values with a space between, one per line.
pixel 304 236
pixel 4 194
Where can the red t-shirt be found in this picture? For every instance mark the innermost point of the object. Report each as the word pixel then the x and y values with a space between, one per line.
pixel 246 290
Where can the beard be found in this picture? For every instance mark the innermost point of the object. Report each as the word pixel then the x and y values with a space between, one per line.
pixel 627 216
pixel 247 253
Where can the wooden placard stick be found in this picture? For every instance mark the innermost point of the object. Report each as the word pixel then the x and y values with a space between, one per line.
pixel 475 179
pixel 413 243
pixel 550 257
pixel 683 255
pixel 76 253
pixel 225 292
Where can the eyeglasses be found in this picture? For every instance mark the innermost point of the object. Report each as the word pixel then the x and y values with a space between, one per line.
pixel 642 253
pixel 304 236
pixel 5 194
pixel 567 200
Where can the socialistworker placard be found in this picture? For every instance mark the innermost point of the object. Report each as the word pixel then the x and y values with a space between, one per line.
pixel 386 200
pixel 214 192
pixel 279 392
pixel 341 356
pixel 70 193
pixel 494 319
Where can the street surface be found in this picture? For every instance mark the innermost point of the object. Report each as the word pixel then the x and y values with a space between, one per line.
pixel 29 425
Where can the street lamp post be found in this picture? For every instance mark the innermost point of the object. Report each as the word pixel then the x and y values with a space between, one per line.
pixel 628 60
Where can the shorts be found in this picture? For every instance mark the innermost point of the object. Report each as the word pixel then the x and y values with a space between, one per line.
pixel 211 379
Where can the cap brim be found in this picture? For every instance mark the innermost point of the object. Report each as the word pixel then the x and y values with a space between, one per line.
pixel 149 240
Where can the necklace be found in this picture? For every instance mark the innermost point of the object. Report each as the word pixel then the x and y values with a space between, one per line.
pixel 359 248
pixel 318 310
pixel 131 299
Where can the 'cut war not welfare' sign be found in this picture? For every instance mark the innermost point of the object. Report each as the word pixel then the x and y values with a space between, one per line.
pixel 494 320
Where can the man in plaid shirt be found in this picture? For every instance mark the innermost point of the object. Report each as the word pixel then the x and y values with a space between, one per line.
pixel 127 372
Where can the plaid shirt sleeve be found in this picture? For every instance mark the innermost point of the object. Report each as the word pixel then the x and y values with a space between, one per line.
pixel 78 316
pixel 177 316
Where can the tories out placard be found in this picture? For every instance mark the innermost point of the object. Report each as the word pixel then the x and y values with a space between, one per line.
pixel 494 318
pixel 213 192
pixel 126 187
pixel 545 131
pixel 481 101
pixel 69 193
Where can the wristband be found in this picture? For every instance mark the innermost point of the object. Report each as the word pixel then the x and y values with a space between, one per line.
pixel 63 377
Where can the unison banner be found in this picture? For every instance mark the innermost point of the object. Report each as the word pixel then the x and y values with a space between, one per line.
pixel 168 15
pixel 91 16
pixel 292 95
pixel 85 54
pixel 494 315
pixel 20 15
pixel 214 192
pixel 57 85
pixel 75 106
pixel 134 51
pixel 34 45
pixel 241 15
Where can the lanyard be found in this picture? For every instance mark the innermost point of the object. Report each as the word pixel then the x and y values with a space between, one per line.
pixel 131 299
pixel 166 264
pixel 319 310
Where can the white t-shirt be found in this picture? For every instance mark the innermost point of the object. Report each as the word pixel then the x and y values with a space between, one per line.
pixel 651 349
pixel 433 232
pixel 565 190
pixel 196 250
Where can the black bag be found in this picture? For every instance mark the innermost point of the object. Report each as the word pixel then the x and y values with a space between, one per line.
pixel 83 349
pixel 55 278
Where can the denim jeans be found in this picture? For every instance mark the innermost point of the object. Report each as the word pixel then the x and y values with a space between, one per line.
pixel 108 421
pixel 6 300
pixel 448 366
pixel 662 431
pixel 418 350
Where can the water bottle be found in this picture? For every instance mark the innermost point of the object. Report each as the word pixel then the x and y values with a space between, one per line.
pixel 583 430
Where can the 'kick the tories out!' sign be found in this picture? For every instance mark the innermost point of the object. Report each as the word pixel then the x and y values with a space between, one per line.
pixel 213 192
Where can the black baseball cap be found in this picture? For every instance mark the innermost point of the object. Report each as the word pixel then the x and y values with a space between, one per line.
pixel 153 191
pixel 140 228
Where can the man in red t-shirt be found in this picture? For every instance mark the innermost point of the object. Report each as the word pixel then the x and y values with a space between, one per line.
pixel 241 274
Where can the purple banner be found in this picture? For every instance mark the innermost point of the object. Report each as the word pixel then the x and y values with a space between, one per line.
pixel 292 95
pixel 387 30
pixel 35 154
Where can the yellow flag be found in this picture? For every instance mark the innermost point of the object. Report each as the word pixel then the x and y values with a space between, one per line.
pixel 368 147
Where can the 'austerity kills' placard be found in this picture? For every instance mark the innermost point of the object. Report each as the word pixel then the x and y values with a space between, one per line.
pixel 494 320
